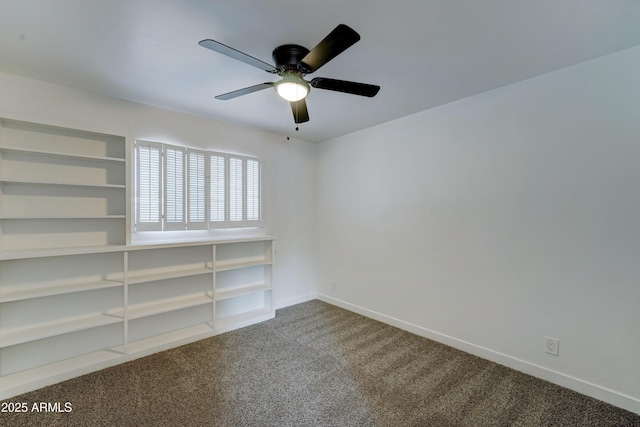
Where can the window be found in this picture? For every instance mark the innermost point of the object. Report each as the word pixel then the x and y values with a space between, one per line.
pixel 236 193
pixel 244 191
pixel 148 178
pixel 174 182
pixel 217 192
pixel 186 189
pixel 253 190
pixel 196 194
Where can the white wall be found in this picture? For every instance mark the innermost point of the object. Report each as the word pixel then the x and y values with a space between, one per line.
pixel 288 166
pixel 492 222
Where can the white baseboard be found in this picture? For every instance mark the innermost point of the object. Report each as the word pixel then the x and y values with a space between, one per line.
pixel 584 387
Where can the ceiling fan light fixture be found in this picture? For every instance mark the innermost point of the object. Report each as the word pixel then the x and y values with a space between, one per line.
pixel 292 63
pixel 292 88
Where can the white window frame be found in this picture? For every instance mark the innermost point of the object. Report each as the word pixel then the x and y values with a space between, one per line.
pixel 250 212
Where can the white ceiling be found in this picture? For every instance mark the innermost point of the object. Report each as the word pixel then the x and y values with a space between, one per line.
pixel 423 53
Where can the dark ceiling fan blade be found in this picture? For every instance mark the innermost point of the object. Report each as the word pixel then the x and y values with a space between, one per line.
pixel 300 113
pixel 245 91
pixel 236 54
pixel 340 39
pixel 354 88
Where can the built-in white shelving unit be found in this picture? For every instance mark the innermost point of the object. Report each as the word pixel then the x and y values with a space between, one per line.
pixel 243 283
pixel 74 296
pixel 73 177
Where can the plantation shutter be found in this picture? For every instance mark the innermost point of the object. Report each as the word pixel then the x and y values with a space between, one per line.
pixel 253 191
pixel 148 182
pixel 236 190
pixel 217 193
pixel 196 190
pixel 174 183
pixel 185 189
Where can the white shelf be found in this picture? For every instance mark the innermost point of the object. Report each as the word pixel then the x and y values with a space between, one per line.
pixel 60 154
pixel 164 306
pixel 234 264
pixel 199 242
pixel 41 217
pixel 50 252
pixel 52 372
pixel 152 277
pixel 244 319
pixel 96 249
pixel 60 187
pixel 66 184
pixel 38 292
pixel 223 294
pixel 20 336
pixel 170 339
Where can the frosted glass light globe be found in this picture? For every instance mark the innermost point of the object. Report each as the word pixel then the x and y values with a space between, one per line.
pixel 292 91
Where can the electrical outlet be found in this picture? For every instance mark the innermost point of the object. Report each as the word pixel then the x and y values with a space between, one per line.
pixel 552 346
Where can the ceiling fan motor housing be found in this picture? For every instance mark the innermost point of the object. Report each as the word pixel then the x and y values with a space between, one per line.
pixel 288 56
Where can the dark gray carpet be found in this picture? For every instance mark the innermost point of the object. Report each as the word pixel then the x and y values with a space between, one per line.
pixel 315 365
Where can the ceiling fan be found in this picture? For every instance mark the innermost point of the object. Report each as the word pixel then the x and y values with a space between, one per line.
pixel 293 62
